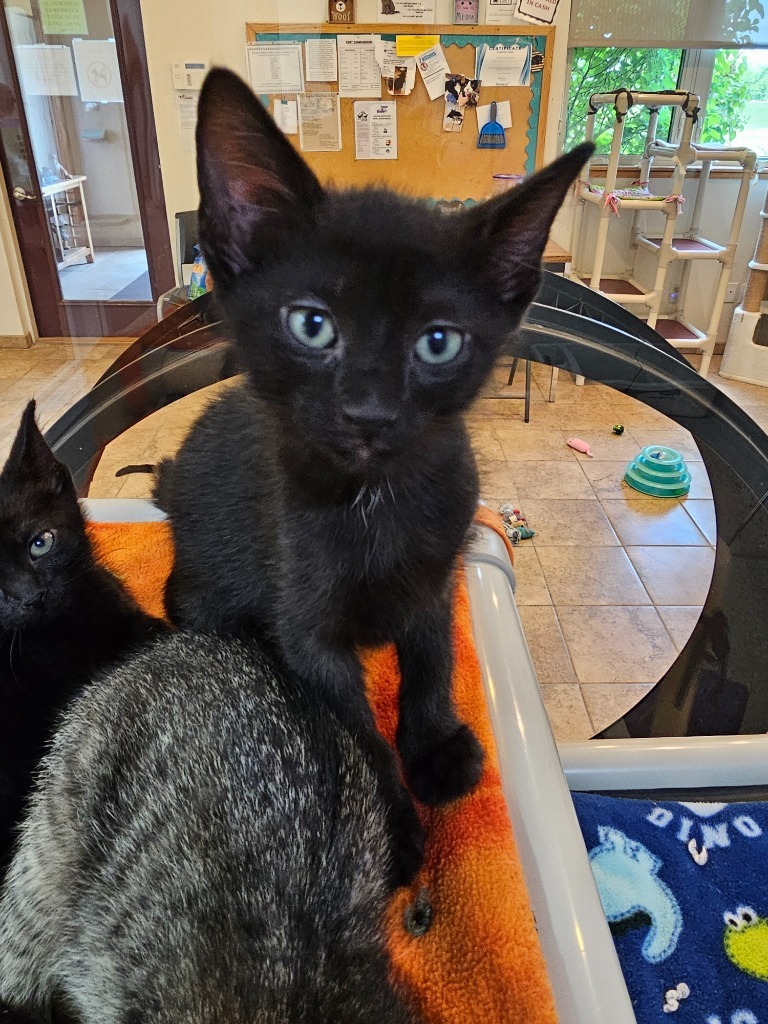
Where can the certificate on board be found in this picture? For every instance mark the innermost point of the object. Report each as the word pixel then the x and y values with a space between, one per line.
pixel 504 66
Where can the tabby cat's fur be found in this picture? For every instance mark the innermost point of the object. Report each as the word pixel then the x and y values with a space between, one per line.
pixel 207 846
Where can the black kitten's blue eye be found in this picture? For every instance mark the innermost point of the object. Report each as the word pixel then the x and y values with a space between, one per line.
pixel 41 544
pixel 439 345
pixel 312 327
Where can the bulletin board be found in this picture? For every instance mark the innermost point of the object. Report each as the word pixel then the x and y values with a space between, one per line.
pixel 431 162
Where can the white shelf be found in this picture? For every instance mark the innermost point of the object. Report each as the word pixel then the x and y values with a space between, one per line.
pixel 81 252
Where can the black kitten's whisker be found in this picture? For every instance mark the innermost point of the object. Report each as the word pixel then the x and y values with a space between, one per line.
pixel 14 637
pixel 358 503
pixel 374 499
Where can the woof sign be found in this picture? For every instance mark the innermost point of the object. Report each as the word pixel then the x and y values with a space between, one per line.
pixel 341 12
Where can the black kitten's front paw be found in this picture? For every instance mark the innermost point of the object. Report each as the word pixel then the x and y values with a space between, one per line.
pixel 447 770
pixel 408 839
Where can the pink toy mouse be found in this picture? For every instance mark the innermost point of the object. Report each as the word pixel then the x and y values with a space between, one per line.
pixel 580 446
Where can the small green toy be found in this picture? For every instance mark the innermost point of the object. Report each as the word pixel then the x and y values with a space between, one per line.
pixel 618 429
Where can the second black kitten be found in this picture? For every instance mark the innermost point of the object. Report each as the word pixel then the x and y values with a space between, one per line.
pixel 62 615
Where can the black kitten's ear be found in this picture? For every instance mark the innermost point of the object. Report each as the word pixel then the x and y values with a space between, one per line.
pixel 31 457
pixel 253 183
pixel 513 228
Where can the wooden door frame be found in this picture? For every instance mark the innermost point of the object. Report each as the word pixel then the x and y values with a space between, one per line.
pixel 42 277
pixel 142 136
pixel 54 314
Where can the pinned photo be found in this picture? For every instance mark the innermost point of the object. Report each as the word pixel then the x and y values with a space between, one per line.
pixel 460 93
pixel 397 85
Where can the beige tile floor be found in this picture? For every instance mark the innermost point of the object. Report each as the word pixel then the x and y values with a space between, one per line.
pixel 611 585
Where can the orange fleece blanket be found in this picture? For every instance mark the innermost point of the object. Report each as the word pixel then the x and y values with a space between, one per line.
pixel 480 960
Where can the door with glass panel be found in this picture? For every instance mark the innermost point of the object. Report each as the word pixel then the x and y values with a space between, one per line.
pixel 80 162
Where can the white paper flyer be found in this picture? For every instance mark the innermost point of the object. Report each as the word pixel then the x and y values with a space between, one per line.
pixel 275 67
pixel 376 130
pixel 406 11
pixel 320 60
pixel 399 73
pixel 433 67
pixel 98 72
pixel 500 12
pixel 359 72
pixel 503 114
pixel 320 122
pixel 46 70
pixel 286 116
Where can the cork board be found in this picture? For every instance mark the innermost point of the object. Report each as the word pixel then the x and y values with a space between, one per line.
pixel 431 162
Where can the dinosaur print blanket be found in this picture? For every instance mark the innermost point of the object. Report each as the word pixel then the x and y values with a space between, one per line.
pixel 685 889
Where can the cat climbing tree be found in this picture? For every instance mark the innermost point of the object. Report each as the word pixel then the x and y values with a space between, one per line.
pixel 746 353
pixel 671 243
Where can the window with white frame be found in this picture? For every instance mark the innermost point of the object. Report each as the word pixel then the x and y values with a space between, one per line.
pixel 681 44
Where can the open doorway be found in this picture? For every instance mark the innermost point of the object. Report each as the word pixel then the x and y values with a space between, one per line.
pixel 78 170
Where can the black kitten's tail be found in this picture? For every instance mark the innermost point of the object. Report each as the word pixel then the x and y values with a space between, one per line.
pixel 163 485
pixel 143 467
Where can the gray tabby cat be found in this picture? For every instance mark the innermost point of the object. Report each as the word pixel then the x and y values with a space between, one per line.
pixel 177 867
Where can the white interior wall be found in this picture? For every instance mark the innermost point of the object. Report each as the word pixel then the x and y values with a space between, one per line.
pixel 16 319
pixel 196 30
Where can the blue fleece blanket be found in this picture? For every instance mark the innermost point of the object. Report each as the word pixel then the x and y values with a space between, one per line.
pixel 685 889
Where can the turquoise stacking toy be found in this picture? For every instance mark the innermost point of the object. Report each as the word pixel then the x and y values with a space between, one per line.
pixel 659 471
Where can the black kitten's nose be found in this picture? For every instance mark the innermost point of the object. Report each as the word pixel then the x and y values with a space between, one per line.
pixel 27 600
pixel 369 415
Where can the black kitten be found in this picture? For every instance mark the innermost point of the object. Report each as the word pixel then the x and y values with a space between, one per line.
pixel 324 503
pixel 62 616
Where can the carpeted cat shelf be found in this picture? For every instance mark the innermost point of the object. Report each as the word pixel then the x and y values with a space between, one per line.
pixel 462 939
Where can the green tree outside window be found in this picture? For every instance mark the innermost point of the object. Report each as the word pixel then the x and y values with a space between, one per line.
pixel 604 69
